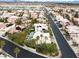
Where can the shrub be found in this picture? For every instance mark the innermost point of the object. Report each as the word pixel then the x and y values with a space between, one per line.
pixel 31 43
pixel 48 49
pixel 18 22
pixel 18 37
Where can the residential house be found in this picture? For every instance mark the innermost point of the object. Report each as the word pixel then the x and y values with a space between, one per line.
pixel 73 32
pixel 43 37
pixel 12 19
pixel 4 29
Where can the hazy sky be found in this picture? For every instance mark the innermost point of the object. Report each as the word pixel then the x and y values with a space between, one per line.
pixel 40 0
pixel 46 0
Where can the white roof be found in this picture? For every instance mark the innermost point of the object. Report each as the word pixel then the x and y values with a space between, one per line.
pixel 19 10
pixel 76 39
pixel 43 39
pixel 14 17
pixel 39 33
pixel 58 17
pixel 73 29
pixel 39 24
pixel 43 26
pixel 6 15
pixel 36 34
pixel 76 19
pixel 27 15
pixel 64 20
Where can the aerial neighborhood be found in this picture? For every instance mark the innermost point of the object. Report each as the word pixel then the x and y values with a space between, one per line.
pixel 67 19
pixel 29 29
pixel 39 30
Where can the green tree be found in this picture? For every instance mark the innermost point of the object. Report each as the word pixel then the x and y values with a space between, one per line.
pixel 53 50
pixel 76 15
pixel 49 30
pixel 19 37
pixel 18 22
pixel 21 14
pixel 14 37
pixel 22 37
pixel 48 49
pixel 1 20
pixel 41 37
pixel 9 10
pixel 37 38
pixel 31 43
pixel 46 38
pixel 5 20
pixel 42 48
pixel 33 21
pixel 2 44
pixel 17 50
pixel 66 16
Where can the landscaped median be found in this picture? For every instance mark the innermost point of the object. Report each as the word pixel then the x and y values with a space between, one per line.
pixel 23 40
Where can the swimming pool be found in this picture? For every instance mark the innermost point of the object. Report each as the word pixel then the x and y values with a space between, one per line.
pixel 31 35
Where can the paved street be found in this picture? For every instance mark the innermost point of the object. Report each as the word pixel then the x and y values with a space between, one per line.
pixel 9 48
pixel 64 46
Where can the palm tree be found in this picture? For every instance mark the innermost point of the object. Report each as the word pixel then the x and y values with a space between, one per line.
pixel 2 43
pixel 46 38
pixel 27 24
pixel 41 37
pixel 37 39
pixel 17 50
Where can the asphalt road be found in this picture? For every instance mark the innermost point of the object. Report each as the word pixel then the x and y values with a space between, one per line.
pixel 66 50
pixel 9 48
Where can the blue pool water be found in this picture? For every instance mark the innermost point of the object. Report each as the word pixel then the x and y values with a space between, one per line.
pixel 31 35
